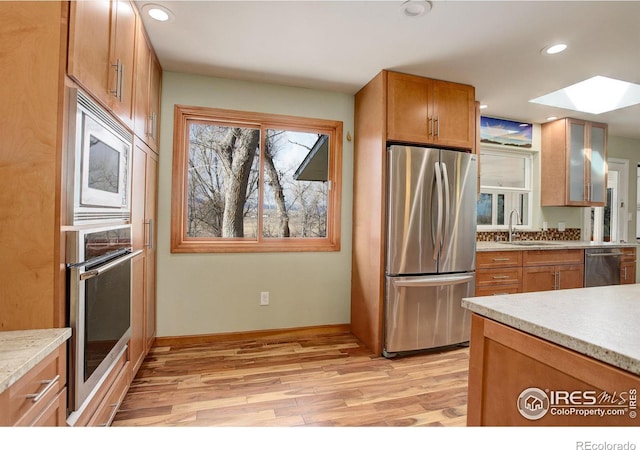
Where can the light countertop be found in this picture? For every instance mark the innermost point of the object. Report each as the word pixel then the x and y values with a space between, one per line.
pixel 599 322
pixel 486 246
pixel 21 350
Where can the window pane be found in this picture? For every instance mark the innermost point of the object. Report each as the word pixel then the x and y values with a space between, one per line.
pixel 500 209
pixel 484 209
pixel 503 170
pixel 222 190
pixel 296 171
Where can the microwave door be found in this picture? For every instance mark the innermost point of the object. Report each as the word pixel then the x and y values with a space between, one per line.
pixel 103 175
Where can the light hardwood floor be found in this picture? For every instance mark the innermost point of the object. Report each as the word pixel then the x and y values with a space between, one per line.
pixel 321 381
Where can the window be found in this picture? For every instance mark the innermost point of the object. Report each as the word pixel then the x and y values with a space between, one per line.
pixel 250 182
pixel 505 185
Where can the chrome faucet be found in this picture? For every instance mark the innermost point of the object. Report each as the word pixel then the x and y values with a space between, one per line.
pixel 511 223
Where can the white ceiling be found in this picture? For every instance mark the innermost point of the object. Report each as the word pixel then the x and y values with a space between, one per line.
pixel 340 45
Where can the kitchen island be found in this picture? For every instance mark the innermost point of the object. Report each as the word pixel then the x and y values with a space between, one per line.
pixel 555 358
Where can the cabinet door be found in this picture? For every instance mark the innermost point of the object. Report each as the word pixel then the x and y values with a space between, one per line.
pixel 576 165
pixel 542 278
pixel 570 276
pixel 142 75
pixel 408 99
pixel 155 91
pixel 453 113
pixel 122 59
pixel 627 272
pixel 89 42
pixel 150 253
pixel 597 143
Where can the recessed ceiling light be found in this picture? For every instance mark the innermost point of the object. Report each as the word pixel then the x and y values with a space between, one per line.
pixel 555 48
pixel 158 12
pixel 415 8
pixel 484 106
pixel 596 95
pixel 549 119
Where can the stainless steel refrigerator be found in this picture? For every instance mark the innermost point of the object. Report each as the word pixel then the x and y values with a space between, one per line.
pixel 430 247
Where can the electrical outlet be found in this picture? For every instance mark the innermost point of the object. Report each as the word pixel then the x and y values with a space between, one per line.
pixel 264 298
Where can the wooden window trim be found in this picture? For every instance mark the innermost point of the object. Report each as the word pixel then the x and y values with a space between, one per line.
pixel 180 243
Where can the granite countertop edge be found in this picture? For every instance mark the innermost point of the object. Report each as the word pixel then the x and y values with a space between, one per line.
pixel 20 351
pixel 605 355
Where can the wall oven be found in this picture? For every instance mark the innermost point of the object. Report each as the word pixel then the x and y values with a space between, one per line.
pixel 99 155
pixel 99 294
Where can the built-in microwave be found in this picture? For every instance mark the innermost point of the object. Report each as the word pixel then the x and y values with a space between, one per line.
pixel 100 156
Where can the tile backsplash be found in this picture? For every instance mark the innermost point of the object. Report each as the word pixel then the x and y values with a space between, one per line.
pixel 551 234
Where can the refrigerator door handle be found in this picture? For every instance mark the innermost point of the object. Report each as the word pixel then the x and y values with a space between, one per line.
pixel 447 205
pixel 432 281
pixel 438 239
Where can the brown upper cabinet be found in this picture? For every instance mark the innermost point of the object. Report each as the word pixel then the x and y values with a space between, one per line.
pixel 101 52
pixel 426 111
pixel 573 166
pixel 148 82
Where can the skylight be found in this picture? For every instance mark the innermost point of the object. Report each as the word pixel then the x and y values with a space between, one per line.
pixel 596 95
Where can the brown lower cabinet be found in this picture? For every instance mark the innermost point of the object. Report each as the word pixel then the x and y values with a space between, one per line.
pixel 38 398
pixel 505 364
pixel 548 278
pixel 511 272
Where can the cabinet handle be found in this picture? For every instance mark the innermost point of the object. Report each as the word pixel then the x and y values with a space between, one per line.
pixel 149 243
pixel 500 259
pixel 437 120
pixel 500 277
pixel 624 273
pixel 49 384
pixel 555 280
pixel 114 407
pixel 119 68
pixel 152 125
pixel 430 125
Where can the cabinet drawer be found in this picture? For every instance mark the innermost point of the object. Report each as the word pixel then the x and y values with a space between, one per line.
pixel 498 259
pixel 32 393
pixel 552 257
pixel 482 291
pixel 54 415
pixel 629 254
pixel 111 402
pixel 490 277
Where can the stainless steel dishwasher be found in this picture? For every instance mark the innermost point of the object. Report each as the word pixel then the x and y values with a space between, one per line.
pixel 602 266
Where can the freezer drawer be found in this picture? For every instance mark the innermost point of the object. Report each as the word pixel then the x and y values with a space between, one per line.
pixel 424 312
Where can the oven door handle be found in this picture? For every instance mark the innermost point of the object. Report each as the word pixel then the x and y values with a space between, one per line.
pixel 102 269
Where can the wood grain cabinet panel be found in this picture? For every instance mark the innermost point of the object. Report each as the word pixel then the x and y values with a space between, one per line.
pixel 101 52
pixel 498 272
pixel 148 85
pixel 628 266
pixel 549 257
pixel 503 362
pixel 426 111
pixel 547 278
pixel 39 396
pixel 494 259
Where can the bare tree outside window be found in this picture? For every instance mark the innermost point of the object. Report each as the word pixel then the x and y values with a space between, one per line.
pixel 247 183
